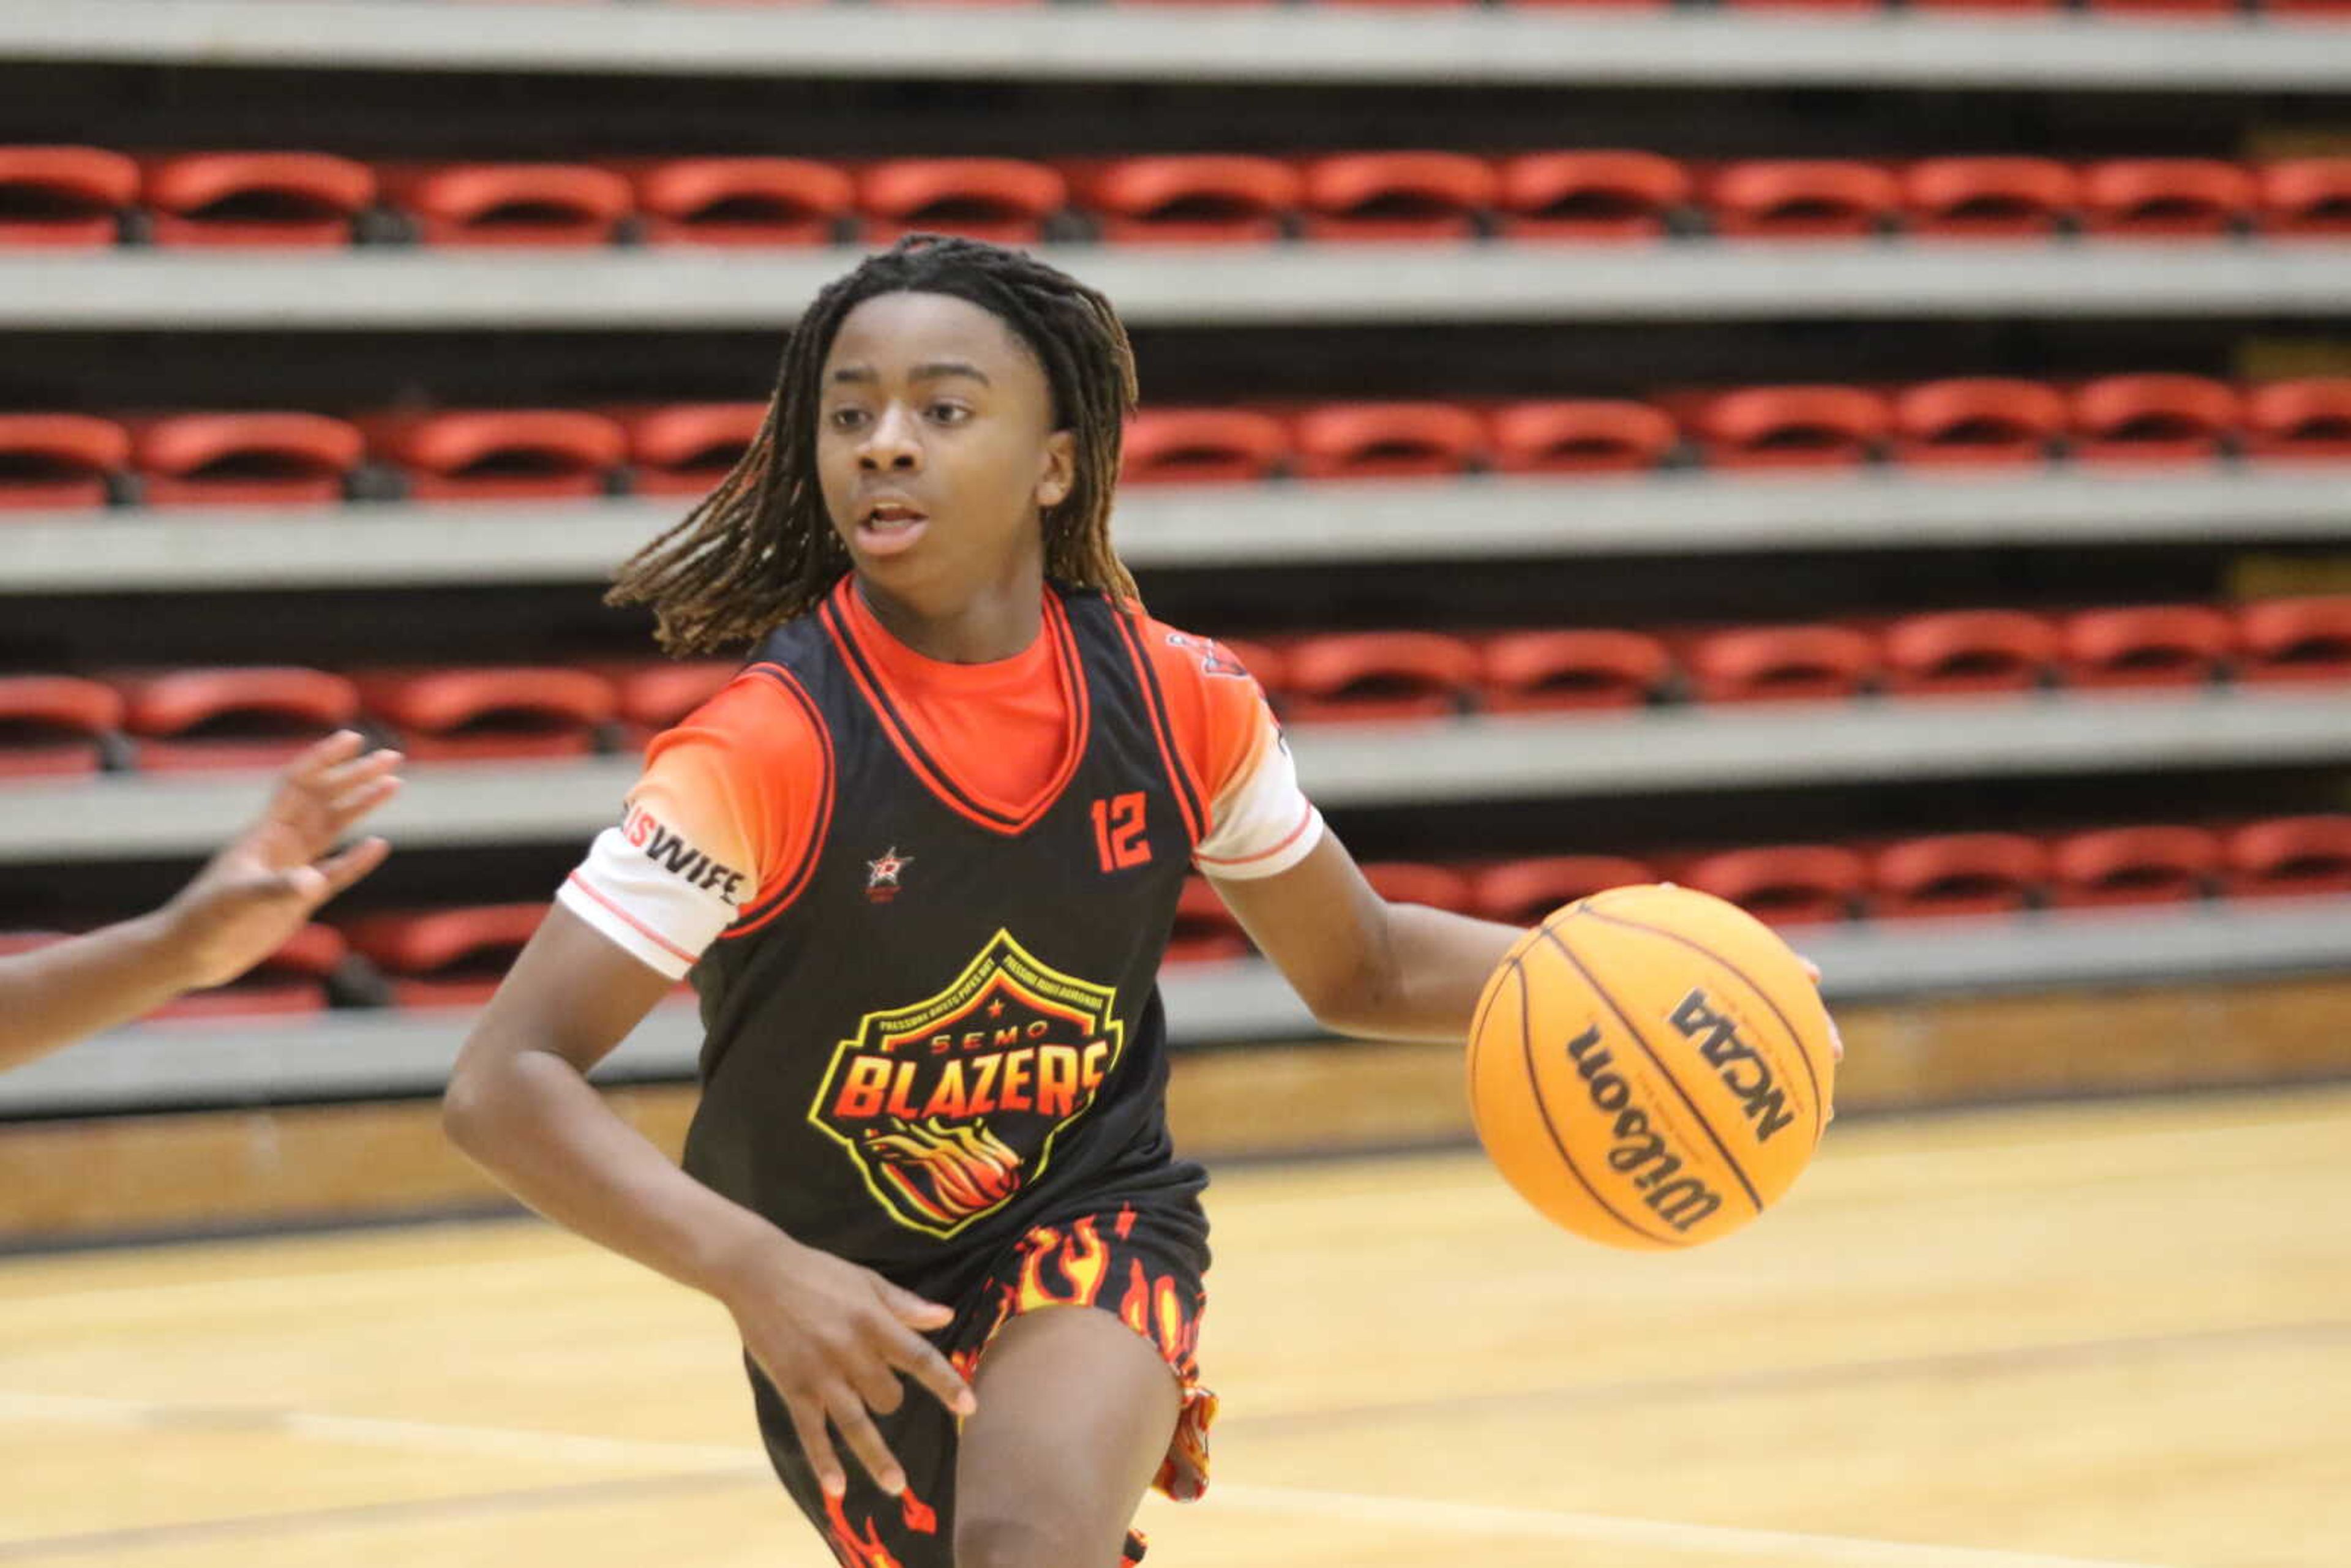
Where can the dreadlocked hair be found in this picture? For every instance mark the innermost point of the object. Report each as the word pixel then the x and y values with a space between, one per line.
pixel 760 548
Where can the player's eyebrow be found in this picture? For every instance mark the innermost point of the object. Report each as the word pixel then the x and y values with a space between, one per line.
pixel 931 370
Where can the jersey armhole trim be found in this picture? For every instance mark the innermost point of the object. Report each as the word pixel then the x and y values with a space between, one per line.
pixel 1155 702
pixel 762 914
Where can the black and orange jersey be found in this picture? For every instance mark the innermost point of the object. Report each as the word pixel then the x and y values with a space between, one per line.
pixel 932 1014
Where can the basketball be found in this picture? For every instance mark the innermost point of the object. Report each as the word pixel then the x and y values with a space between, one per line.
pixel 1651 1068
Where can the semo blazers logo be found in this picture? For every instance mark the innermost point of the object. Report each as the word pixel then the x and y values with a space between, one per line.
pixel 950 1106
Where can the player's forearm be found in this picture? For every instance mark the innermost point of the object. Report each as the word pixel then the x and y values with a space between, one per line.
pixel 55 995
pixel 532 1122
pixel 1426 979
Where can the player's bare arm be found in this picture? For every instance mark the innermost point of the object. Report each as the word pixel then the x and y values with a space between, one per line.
pixel 834 1338
pixel 242 907
pixel 1364 965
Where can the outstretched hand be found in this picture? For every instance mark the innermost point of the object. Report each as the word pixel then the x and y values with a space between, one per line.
pixel 264 885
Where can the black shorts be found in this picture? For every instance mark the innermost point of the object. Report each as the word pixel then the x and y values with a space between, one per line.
pixel 1148 1272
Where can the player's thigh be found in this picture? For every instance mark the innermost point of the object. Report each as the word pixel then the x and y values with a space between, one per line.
pixel 1075 1414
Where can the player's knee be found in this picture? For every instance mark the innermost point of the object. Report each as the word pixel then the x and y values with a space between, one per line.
pixel 986 1539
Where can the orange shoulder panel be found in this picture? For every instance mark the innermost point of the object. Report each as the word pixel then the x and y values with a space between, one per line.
pixel 1215 707
pixel 748 773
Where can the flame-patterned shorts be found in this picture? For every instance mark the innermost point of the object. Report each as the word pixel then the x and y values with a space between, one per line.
pixel 1143 1268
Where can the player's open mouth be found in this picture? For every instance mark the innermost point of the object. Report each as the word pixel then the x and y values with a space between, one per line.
pixel 889 527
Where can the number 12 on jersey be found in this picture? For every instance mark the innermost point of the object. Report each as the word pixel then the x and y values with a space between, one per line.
pixel 1119 831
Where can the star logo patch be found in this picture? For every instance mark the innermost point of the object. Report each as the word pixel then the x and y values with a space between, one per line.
pixel 882 884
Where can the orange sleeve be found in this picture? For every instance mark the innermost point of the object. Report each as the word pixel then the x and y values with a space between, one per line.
pixel 747 777
pixel 1218 711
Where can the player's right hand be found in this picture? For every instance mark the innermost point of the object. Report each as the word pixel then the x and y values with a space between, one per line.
pixel 834 1338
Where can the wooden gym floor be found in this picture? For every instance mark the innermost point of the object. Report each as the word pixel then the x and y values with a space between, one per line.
pixel 2022 1339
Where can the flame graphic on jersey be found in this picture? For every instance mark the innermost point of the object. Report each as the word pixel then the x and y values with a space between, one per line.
pixel 864 1550
pixel 945 1173
pixel 950 1106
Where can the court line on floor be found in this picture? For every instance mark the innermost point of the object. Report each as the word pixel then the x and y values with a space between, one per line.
pixel 1790 1549
pixel 1785 1548
pixel 42 1547
pixel 2023 1358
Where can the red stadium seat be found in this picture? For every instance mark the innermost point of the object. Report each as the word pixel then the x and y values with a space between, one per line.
pixel 997 199
pixel 1781 663
pixel 64 195
pixel 1988 198
pixel 2308 417
pixel 290 981
pixel 1397 195
pixel 245 459
pixel 511 203
pixel 686 449
pixel 1792 427
pixel 2145 645
pixel 2304 196
pixel 2160 7
pixel 742 201
pixel 1528 671
pixel 653 697
pixel 1213 199
pixel 58 460
pixel 1591 196
pixel 1810 198
pixel 2164 198
pixel 1957 874
pixel 1524 891
pixel 257 198
pixel 500 454
pixel 447 957
pixel 1783 885
pixel 2113 866
pixel 1967 651
pixel 1417 882
pixel 1205 930
pixel 2294 640
pixel 1581 435
pixel 1203 447
pixel 1377 675
pixel 52 725
pixel 1976 421
pixel 2153 418
pixel 2322 10
pixel 186 720
pixel 2287 855
pixel 495 712
pixel 1388 440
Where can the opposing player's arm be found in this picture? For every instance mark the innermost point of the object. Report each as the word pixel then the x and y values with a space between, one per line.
pixel 242 907
pixel 1364 966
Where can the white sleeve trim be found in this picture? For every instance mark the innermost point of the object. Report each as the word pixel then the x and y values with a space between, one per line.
pixel 658 918
pixel 1263 825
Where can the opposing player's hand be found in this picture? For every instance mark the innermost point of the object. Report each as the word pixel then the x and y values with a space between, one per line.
pixel 262 887
pixel 834 1339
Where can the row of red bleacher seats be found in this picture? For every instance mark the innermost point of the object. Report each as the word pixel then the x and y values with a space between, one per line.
pixel 453 956
pixel 88 196
pixel 72 461
pixel 255 717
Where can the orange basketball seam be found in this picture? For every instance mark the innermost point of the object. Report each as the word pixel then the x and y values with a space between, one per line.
pixel 1664 1071
pixel 1542 1114
pixel 1811 1075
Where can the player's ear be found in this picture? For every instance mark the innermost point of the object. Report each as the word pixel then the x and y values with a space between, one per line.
pixel 1060 473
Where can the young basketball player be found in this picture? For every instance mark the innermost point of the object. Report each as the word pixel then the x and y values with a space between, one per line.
pixel 242 907
pixel 922 858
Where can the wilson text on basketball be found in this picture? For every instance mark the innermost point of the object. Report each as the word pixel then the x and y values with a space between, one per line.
pixel 1681 1201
